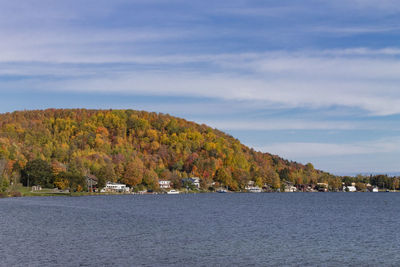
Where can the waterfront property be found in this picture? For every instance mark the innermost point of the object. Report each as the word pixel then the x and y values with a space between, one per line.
pixel 350 188
pixel 252 188
pixel 115 187
pixel 195 181
pixel 91 182
pixel 36 188
pixel 164 184
pixel 290 188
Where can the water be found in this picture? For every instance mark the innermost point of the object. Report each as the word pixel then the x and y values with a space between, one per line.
pixel 327 229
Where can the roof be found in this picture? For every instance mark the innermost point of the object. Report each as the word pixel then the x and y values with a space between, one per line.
pixel 91 176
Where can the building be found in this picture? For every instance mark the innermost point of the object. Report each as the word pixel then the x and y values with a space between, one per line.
pixel 375 190
pixel 192 180
pixel 350 188
pixel 290 188
pixel 115 187
pixel 36 188
pixel 164 184
pixel 91 182
pixel 252 188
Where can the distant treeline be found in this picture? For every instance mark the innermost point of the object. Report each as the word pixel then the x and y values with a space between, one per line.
pixel 381 181
pixel 59 147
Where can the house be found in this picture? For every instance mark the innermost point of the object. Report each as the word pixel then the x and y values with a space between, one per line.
pixel 322 187
pixel 115 187
pixel 375 190
pixel 253 188
pixel 350 188
pixel 36 188
pixel 91 182
pixel 164 184
pixel 290 188
pixel 195 181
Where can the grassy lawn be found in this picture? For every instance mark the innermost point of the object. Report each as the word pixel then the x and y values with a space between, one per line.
pixel 26 192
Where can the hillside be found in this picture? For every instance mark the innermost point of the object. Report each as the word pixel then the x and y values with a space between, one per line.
pixel 136 148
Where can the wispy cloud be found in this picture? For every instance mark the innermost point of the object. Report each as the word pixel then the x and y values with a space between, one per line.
pixel 291 80
pixel 243 65
pixel 284 124
pixel 303 150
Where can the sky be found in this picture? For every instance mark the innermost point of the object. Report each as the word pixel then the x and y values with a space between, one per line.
pixel 312 81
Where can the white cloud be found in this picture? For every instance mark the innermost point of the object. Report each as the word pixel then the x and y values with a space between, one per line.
pixel 302 150
pixel 290 80
pixel 285 124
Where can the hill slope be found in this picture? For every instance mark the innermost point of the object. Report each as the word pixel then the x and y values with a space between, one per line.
pixel 138 148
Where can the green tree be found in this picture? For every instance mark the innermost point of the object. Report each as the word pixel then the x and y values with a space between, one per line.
pixel 37 172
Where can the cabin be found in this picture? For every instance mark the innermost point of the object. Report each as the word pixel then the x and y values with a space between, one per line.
pixel 192 180
pixel 36 188
pixel 290 188
pixel 350 188
pixel 164 184
pixel 91 182
pixel 115 187
pixel 252 188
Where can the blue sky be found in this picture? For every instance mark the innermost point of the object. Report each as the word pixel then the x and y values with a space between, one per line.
pixel 312 81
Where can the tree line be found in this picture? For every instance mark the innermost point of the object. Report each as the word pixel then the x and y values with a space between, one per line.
pixel 59 147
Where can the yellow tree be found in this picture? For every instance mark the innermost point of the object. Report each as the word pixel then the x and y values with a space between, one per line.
pixel 134 172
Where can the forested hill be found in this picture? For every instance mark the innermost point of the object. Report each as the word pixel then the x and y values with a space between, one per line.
pixel 137 148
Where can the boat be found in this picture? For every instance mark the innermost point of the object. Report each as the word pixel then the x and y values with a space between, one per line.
pixel 222 190
pixel 172 192
pixel 255 189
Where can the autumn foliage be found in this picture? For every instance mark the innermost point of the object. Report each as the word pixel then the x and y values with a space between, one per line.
pixel 137 148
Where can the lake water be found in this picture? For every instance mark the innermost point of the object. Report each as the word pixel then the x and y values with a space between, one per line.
pixel 327 229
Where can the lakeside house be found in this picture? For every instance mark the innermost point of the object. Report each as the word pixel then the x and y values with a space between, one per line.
pixel 115 187
pixel 350 188
pixel 289 187
pixel 164 184
pixel 322 187
pixel 91 182
pixel 375 190
pixel 252 188
pixel 36 188
pixel 195 181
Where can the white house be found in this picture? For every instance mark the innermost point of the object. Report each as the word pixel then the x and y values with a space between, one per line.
pixel 164 184
pixel 290 188
pixel 351 188
pixel 252 188
pixel 115 187
pixel 193 180
pixel 375 189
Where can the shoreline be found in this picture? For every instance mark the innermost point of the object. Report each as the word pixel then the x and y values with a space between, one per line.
pixel 79 194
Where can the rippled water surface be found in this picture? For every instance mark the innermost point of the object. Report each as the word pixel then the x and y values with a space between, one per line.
pixel 327 229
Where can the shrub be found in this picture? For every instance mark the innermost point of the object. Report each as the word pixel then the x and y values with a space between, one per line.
pixel 16 194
